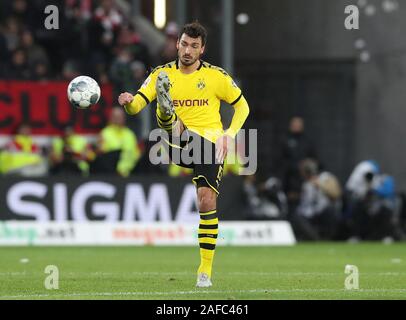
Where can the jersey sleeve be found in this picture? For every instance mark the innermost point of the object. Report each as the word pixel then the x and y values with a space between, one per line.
pixel 240 115
pixel 228 89
pixel 147 90
pixel 231 93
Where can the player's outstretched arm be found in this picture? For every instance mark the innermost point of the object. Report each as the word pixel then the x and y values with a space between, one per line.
pixel 240 115
pixel 132 104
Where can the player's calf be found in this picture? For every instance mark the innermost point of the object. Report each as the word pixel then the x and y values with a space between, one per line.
pixel 207 234
pixel 172 125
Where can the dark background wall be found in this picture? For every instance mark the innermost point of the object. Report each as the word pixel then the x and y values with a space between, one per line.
pixel 296 57
pixel 293 29
pixel 305 65
pixel 364 102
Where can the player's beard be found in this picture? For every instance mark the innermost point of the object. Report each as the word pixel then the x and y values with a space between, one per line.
pixel 189 62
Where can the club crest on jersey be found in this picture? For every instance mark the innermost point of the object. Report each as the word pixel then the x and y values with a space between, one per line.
pixel 201 84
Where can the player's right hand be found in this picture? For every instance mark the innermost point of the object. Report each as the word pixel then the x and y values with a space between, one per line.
pixel 125 98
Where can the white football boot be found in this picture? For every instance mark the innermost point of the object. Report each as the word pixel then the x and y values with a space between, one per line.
pixel 203 280
pixel 162 94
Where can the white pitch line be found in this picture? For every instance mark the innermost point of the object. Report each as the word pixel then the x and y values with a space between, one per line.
pixel 172 293
pixel 254 273
pixel 313 273
pixel 7 274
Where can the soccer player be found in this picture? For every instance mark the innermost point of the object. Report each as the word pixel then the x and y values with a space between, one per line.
pixel 188 91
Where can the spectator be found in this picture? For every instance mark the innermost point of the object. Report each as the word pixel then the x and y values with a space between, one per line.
pixel 11 33
pixel 317 215
pixel 4 53
pixel 138 73
pixel 140 125
pixel 70 70
pixel 22 156
pixel 128 38
pixel 118 148
pixel 121 73
pixel 70 154
pixel 371 204
pixel 266 200
pixel 78 10
pixel 40 72
pixel 295 148
pixel 360 181
pixel 169 51
pixel 101 73
pixel 35 53
pixel 104 29
pixel 359 184
pixel 4 12
pixel 77 14
pixel 127 76
pixel 18 69
pixel 22 10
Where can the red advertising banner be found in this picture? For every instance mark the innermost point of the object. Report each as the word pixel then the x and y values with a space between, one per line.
pixel 45 106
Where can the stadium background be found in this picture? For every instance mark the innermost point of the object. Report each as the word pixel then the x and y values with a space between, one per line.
pixel 303 62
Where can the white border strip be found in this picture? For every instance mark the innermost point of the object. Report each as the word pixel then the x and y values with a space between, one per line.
pixel 194 292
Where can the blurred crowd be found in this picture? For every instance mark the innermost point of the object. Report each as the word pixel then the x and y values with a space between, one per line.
pixel 319 207
pixel 98 40
pixel 101 42
pixel 115 151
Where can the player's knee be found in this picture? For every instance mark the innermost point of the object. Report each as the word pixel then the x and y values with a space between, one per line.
pixel 206 199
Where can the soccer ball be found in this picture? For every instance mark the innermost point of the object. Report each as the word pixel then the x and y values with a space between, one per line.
pixel 83 92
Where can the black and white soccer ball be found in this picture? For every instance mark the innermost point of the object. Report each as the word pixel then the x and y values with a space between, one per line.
pixel 83 92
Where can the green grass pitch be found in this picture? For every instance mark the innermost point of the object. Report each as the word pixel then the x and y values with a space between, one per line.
pixel 304 271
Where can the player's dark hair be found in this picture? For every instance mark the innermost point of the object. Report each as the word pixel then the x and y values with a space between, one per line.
pixel 194 30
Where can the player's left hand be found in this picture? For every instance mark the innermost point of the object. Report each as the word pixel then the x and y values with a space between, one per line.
pixel 222 147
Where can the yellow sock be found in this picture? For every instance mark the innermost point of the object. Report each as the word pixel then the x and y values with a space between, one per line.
pixel 208 231
pixel 164 121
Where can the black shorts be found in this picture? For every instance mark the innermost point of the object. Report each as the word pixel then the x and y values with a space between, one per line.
pixel 195 152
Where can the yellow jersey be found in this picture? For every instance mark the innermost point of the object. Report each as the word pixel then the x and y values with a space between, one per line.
pixel 196 96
